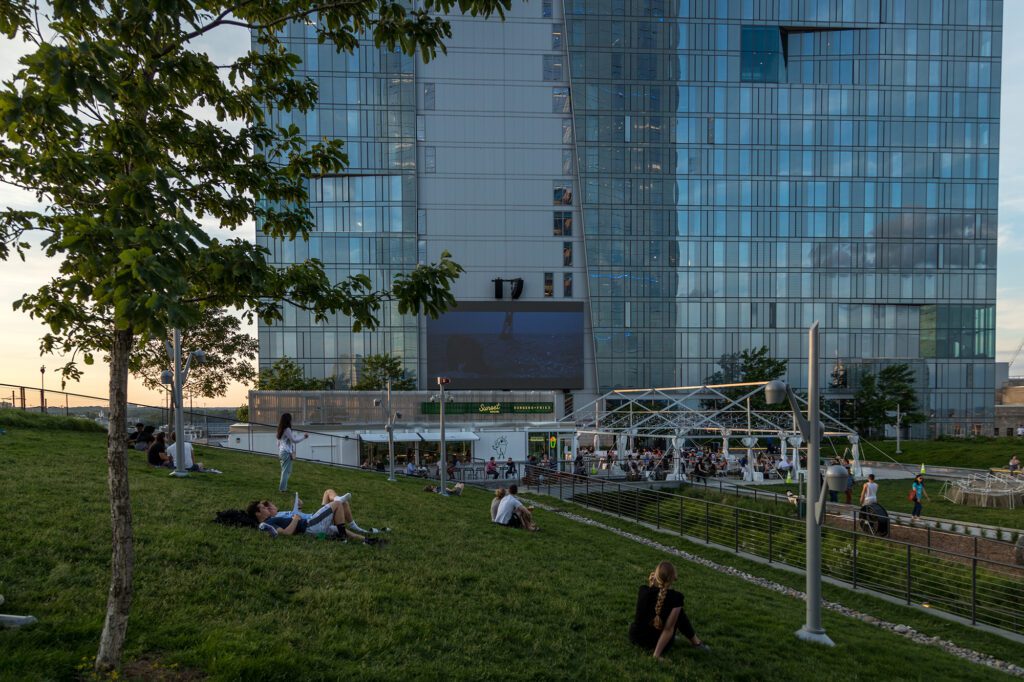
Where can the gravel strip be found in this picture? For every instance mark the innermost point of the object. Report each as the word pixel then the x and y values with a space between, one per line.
pixel 899 629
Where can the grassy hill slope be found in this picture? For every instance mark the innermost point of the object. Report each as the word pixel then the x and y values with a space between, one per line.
pixel 451 597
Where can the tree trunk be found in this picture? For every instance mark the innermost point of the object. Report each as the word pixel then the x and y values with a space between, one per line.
pixel 119 598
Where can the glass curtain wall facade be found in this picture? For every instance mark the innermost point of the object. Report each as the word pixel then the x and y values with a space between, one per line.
pixel 750 166
pixel 366 217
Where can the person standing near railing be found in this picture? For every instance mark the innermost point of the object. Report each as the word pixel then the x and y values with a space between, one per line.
pixel 286 442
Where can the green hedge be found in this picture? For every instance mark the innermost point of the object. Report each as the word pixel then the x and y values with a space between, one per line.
pixel 20 419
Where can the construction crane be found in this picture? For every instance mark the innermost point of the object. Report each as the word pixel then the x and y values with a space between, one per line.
pixel 1016 354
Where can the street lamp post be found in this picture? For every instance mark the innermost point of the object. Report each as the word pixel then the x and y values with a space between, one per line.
pixel 178 379
pixel 441 383
pixel 389 427
pixel 899 419
pixel 775 392
pixel 42 389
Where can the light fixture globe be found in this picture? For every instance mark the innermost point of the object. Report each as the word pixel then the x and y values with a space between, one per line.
pixel 775 392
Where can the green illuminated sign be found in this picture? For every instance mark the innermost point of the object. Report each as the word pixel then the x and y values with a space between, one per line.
pixel 488 408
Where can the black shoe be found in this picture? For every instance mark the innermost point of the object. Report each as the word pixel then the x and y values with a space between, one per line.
pixel 371 541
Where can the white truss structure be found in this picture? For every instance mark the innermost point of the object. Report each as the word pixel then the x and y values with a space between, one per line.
pixel 681 413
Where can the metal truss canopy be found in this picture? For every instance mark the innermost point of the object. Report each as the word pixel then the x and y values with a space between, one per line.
pixel 692 412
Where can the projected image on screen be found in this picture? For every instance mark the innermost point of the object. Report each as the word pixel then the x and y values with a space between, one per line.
pixel 515 345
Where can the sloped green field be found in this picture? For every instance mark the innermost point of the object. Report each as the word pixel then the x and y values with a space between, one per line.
pixel 452 596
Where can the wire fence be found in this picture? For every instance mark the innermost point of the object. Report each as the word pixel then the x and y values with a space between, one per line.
pixel 976 589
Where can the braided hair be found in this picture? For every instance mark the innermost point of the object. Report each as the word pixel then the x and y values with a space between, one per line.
pixel 661 577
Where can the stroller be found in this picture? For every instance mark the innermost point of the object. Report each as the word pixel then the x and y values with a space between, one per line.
pixel 874 520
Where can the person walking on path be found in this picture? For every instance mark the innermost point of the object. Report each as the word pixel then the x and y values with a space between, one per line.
pixel 286 442
pixel 918 492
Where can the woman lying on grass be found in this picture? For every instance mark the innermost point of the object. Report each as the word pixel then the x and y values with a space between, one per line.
pixel 334 518
pixel 659 613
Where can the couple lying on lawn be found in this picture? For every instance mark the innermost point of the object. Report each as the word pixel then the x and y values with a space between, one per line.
pixel 333 518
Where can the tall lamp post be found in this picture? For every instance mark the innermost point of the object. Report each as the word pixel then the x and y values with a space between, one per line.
pixel 178 380
pixel 441 468
pixel 776 392
pixel 42 389
pixel 389 427
pixel 899 424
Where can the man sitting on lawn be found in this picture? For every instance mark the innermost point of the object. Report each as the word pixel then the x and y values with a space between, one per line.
pixel 513 513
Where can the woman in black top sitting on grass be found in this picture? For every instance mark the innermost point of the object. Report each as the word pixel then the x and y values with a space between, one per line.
pixel 659 613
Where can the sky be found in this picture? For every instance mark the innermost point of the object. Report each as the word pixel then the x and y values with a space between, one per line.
pixel 20 360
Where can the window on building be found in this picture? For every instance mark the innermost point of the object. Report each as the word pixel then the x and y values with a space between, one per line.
pixel 560 103
pixel 546 9
pixel 567 285
pixel 563 224
pixel 429 97
pixel 429 159
pixel 552 67
pixel 421 128
pixel 567 137
pixel 567 254
pixel 761 57
pixel 556 36
pixel 567 164
pixel 549 284
pixel 562 190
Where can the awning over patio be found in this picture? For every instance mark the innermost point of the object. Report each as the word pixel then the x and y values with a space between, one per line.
pixel 382 437
pixel 449 436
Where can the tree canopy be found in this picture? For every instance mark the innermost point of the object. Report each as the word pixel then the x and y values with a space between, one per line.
pixel 287 375
pixel 378 369
pixel 749 365
pixel 876 400
pixel 133 139
pixel 229 356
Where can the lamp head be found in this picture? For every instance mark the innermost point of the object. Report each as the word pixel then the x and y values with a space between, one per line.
pixel 775 392
pixel 836 478
pixel 166 376
pixel 376 402
pixel 199 356
pixel 398 415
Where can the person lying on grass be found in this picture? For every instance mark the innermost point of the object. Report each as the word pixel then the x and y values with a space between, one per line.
pixel 333 518
pixel 513 513
pixel 659 613
pixel 455 490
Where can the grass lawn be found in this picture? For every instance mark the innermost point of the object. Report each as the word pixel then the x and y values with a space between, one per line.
pixel 972 453
pixel 893 496
pixel 451 597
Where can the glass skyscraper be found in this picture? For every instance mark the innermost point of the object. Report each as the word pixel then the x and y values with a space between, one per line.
pixel 703 176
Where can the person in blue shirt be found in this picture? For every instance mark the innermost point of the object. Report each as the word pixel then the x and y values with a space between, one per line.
pixel 919 494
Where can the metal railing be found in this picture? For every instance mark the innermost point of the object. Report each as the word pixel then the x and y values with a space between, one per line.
pixel 976 589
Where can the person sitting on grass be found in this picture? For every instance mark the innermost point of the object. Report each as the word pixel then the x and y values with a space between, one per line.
pixel 157 455
pixel 455 490
pixel 329 519
pixel 513 513
pixel 659 613
pixel 498 494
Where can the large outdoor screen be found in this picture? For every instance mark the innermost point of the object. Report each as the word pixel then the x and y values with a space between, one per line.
pixel 508 345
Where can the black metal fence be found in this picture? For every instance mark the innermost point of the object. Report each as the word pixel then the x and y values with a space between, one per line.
pixel 974 588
